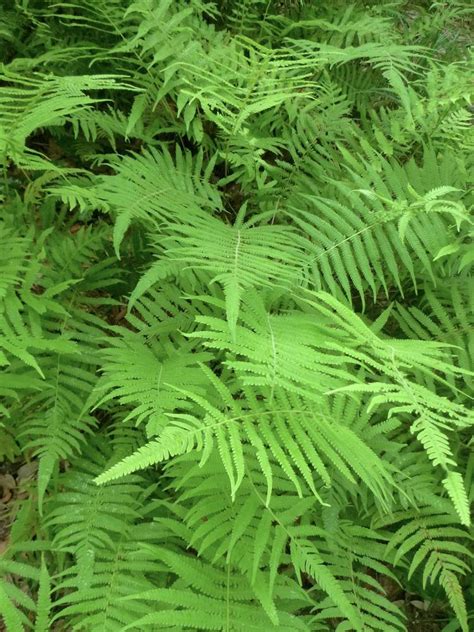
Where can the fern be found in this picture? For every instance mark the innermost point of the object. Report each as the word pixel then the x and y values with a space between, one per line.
pixel 29 104
pixel 236 316
pixel 431 540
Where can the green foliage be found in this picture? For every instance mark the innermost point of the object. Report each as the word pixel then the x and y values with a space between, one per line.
pixel 236 330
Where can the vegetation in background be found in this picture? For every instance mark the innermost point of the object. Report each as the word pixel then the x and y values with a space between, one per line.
pixel 236 331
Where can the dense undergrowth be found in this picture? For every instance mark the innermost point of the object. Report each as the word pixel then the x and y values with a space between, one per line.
pixel 236 324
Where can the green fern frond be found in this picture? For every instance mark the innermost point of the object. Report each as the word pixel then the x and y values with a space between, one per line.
pixel 431 540
pixel 213 597
pixel 28 104
pixel 137 192
pixel 235 315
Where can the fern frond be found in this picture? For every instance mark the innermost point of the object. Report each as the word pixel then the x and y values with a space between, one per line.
pixel 44 603
pixel 137 192
pixel 28 104
pixel 217 596
pixel 430 539
pixel 238 256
